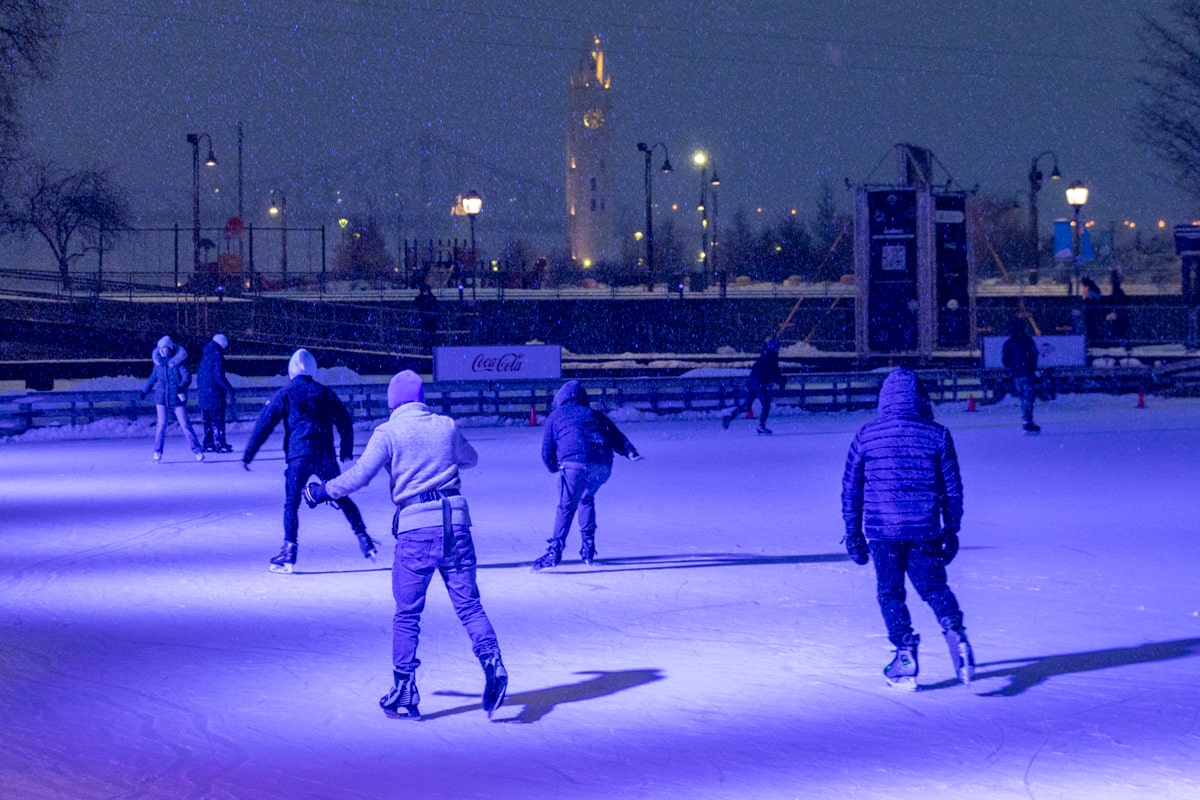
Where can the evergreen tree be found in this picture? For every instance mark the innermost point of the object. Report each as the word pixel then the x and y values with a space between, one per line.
pixel 362 252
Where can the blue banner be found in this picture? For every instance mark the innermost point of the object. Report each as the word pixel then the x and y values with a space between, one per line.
pixel 1062 239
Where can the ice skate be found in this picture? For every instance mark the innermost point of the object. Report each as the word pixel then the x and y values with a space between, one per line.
pixel 550 558
pixel 366 544
pixel 495 682
pixel 763 430
pixel 157 457
pixel 286 560
pixel 587 550
pixel 199 454
pixel 1031 427
pixel 960 650
pixel 725 420
pixel 401 702
pixel 209 447
pixel 902 672
pixel 224 447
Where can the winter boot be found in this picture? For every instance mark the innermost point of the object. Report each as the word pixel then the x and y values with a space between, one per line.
pixel 587 550
pixel 725 420
pixel 401 702
pixel 224 447
pixel 157 456
pixel 960 649
pixel 366 544
pixel 286 560
pixel 902 672
pixel 1031 427
pixel 552 556
pixel 763 430
pixel 208 446
pixel 495 682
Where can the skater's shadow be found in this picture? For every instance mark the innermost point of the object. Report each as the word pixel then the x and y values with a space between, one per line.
pixel 540 702
pixel 339 571
pixel 687 561
pixel 1029 672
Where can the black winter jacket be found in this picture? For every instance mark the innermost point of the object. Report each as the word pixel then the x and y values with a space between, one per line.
pixel 213 388
pixel 309 411
pixel 580 434
pixel 169 378
pixel 1020 355
pixel 901 480
pixel 765 371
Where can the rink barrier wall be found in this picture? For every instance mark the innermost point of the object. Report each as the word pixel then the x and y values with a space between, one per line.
pixel 508 402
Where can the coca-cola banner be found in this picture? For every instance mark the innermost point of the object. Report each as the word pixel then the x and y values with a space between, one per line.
pixel 517 363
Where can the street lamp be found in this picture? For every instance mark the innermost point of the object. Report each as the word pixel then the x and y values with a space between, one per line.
pixel 700 159
pixel 472 204
pixel 714 183
pixel 280 210
pixel 210 161
pixel 666 167
pixel 1035 185
pixel 1077 197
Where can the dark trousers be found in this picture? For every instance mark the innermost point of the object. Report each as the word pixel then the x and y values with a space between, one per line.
pixel 577 487
pixel 214 426
pixel 760 393
pixel 298 472
pixel 1024 389
pixel 922 563
pixel 419 554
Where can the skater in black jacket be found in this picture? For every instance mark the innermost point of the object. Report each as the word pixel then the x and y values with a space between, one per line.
pixel 215 391
pixel 309 412
pixel 1020 357
pixel 763 374
pixel 902 489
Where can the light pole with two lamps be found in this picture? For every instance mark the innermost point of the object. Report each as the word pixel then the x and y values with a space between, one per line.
pixel 700 159
pixel 1035 185
pixel 279 209
pixel 648 150
pixel 472 204
pixel 210 161
pixel 1077 197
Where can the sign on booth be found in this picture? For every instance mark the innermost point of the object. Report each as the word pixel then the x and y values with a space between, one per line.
pixel 503 363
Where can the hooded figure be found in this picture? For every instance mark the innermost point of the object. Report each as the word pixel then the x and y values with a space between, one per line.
pixel 902 503
pixel 579 443
pixel 214 389
pixel 1020 357
pixel 309 412
pixel 169 379
pixel 763 374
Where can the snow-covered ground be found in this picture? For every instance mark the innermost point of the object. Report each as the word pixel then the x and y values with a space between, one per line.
pixel 722 647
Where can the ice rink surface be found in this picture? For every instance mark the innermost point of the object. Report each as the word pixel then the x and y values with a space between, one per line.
pixel 723 646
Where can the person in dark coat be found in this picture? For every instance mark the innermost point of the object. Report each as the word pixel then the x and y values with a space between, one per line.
pixel 214 389
pixel 1116 323
pixel 427 316
pixel 578 444
pixel 169 379
pixel 309 411
pixel 1019 356
pixel 763 374
pixel 1093 308
pixel 902 504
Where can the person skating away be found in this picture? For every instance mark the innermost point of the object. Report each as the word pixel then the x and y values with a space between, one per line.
pixel 902 503
pixel 214 392
pixel 169 379
pixel 423 453
pixel 1019 356
pixel 578 444
pixel 763 374
pixel 309 411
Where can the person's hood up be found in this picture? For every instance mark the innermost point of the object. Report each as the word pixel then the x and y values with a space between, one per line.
pixel 571 392
pixel 175 355
pixel 902 396
pixel 302 363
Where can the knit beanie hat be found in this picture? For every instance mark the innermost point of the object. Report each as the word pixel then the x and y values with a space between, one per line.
pixel 405 387
pixel 221 340
pixel 165 342
pixel 302 363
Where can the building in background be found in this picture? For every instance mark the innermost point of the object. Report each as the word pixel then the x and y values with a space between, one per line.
pixel 591 226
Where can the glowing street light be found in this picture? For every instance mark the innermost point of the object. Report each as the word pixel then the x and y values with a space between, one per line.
pixel 211 161
pixel 472 204
pixel 280 210
pixel 648 150
pixel 1077 197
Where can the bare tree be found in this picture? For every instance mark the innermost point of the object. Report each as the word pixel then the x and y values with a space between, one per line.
pixel 29 31
pixel 1168 116
pixel 72 211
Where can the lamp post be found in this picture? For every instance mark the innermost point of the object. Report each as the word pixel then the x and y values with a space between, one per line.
pixel 1035 185
pixel 1077 197
pixel 648 150
pixel 472 204
pixel 700 159
pixel 210 161
pixel 714 183
pixel 280 210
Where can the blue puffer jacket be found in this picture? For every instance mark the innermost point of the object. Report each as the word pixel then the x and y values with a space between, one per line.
pixel 212 386
pixel 580 434
pixel 309 411
pixel 169 378
pixel 901 480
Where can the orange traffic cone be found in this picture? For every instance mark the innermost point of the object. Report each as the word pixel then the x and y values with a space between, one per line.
pixel 533 416
pixel 1141 398
pixel 971 403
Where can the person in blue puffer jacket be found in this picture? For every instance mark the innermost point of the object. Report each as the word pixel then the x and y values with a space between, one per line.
pixel 902 489
pixel 578 444
pixel 169 380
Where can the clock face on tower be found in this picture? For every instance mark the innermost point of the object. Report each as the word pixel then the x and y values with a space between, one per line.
pixel 593 118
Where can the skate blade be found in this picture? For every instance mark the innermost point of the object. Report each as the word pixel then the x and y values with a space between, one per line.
pixel 494 699
pixel 282 569
pixel 905 684
pixel 404 712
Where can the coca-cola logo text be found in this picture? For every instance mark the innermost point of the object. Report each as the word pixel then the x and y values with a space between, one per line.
pixel 509 362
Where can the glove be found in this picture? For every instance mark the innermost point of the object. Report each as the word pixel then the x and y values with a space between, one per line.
pixel 948 545
pixel 315 494
pixel 856 547
pixel 634 455
pixel 182 397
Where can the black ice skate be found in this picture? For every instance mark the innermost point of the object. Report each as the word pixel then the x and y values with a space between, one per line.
pixel 725 420
pixel 495 682
pixel 902 672
pixel 1031 427
pixel 960 650
pixel 401 702
pixel 763 430
pixel 224 447
pixel 286 560
pixel 587 550
pixel 550 558
pixel 366 544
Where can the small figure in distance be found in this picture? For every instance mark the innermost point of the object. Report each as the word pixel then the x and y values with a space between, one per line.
pixel 1020 357
pixel 758 386
pixel 215 391
pixel 169 379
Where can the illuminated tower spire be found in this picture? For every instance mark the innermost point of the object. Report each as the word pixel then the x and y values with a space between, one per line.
pixel 591 226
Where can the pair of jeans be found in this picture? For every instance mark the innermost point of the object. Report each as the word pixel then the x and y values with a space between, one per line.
pixel 923 563
pixel 185 425
pixel 1024 389
pixel 577 487
pixel 298 472
pixel 419 554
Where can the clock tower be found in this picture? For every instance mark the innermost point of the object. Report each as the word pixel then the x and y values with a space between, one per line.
pixel 591 225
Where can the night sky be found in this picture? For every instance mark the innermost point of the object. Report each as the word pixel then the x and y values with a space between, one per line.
pixel 397 106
